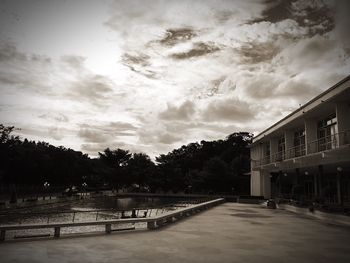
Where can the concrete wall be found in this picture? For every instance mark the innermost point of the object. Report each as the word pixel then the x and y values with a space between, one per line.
pixel 256 152
pixel 266 185
pixel 260 184
pixel 255 182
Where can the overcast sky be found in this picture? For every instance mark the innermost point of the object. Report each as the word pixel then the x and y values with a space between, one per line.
pixel 152 75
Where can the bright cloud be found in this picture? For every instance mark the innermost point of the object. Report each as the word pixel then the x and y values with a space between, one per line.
pixel 152 75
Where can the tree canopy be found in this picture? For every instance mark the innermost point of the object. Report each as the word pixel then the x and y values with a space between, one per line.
pixel 209 166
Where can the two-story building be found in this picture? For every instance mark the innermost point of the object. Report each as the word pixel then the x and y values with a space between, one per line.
pixel 307 153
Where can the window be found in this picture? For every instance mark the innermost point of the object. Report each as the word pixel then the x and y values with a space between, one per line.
pixel 299 143
pixel 267 152
pixel 281 148
pixel 267 149
pixel 327 133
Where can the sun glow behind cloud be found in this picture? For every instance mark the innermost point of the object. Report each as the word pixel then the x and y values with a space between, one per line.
pixel 152 75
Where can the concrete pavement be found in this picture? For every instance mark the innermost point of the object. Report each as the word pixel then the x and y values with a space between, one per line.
pixel 230 232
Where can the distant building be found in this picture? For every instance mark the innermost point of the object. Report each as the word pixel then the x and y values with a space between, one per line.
pixel 306 154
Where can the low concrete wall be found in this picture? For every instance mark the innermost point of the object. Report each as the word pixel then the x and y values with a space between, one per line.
pixel 326 217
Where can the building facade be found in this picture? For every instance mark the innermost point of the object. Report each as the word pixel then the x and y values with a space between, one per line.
pixel 306 154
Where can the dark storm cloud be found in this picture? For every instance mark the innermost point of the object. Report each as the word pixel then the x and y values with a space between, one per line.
pixel 19 70
pixel 59 117
pixel 177 35
pixel 93 89
pixel 269 86
pixel 105 132
pixel 76 62
pixel 182 112
pixel 56 133
pixel 94 148
pixel 198 126
pixel 343 24
pixel 9 52
pixel 198 49
pixel 44 131
pixel 159 136
pixel 168 138
pixel 261 86
pixel 224 15
pixel 228 110
pixel 92 136
pixel 138 59
pixel 139 63
pixel 255 52
pixel 317 16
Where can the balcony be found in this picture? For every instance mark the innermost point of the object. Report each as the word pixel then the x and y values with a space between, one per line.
pixel 323 144
pixel 330 142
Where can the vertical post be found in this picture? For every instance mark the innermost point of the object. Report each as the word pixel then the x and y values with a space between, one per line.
pixel 73 217
pixel 2 235
pixel 297 175
pixel 96 215
pixel 339 188
pixel 315 185
pixel 57 232
pixel 108 228
pixel 280 183
pixel 320 180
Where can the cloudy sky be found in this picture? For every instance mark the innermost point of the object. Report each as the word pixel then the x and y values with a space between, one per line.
pixel 152 75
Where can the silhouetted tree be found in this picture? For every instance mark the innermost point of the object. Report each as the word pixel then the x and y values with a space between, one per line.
pixel 117 160
pixel 208 166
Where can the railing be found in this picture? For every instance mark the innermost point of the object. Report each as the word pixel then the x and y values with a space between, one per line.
pixel 323 144
pixel 152 222
pixel 296 151
pixel 330 142
pixel 101 214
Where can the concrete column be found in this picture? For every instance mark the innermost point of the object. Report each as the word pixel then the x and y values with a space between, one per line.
pixel 342 112
pixel 57 232
pixel 2 235
pixel 266 185
pixel 289 137
pixel 260 184
pixel 108 228
pixel 255 182
pixel 256 155
pixel 343 122
pixel 311 135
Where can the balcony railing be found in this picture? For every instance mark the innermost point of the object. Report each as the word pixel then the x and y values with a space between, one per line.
pixel 330 142
pixel 323 144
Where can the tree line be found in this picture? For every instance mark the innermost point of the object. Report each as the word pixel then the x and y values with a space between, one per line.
pixel 207 167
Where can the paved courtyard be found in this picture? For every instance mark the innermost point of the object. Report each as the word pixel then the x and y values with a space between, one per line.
pixel 227 233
